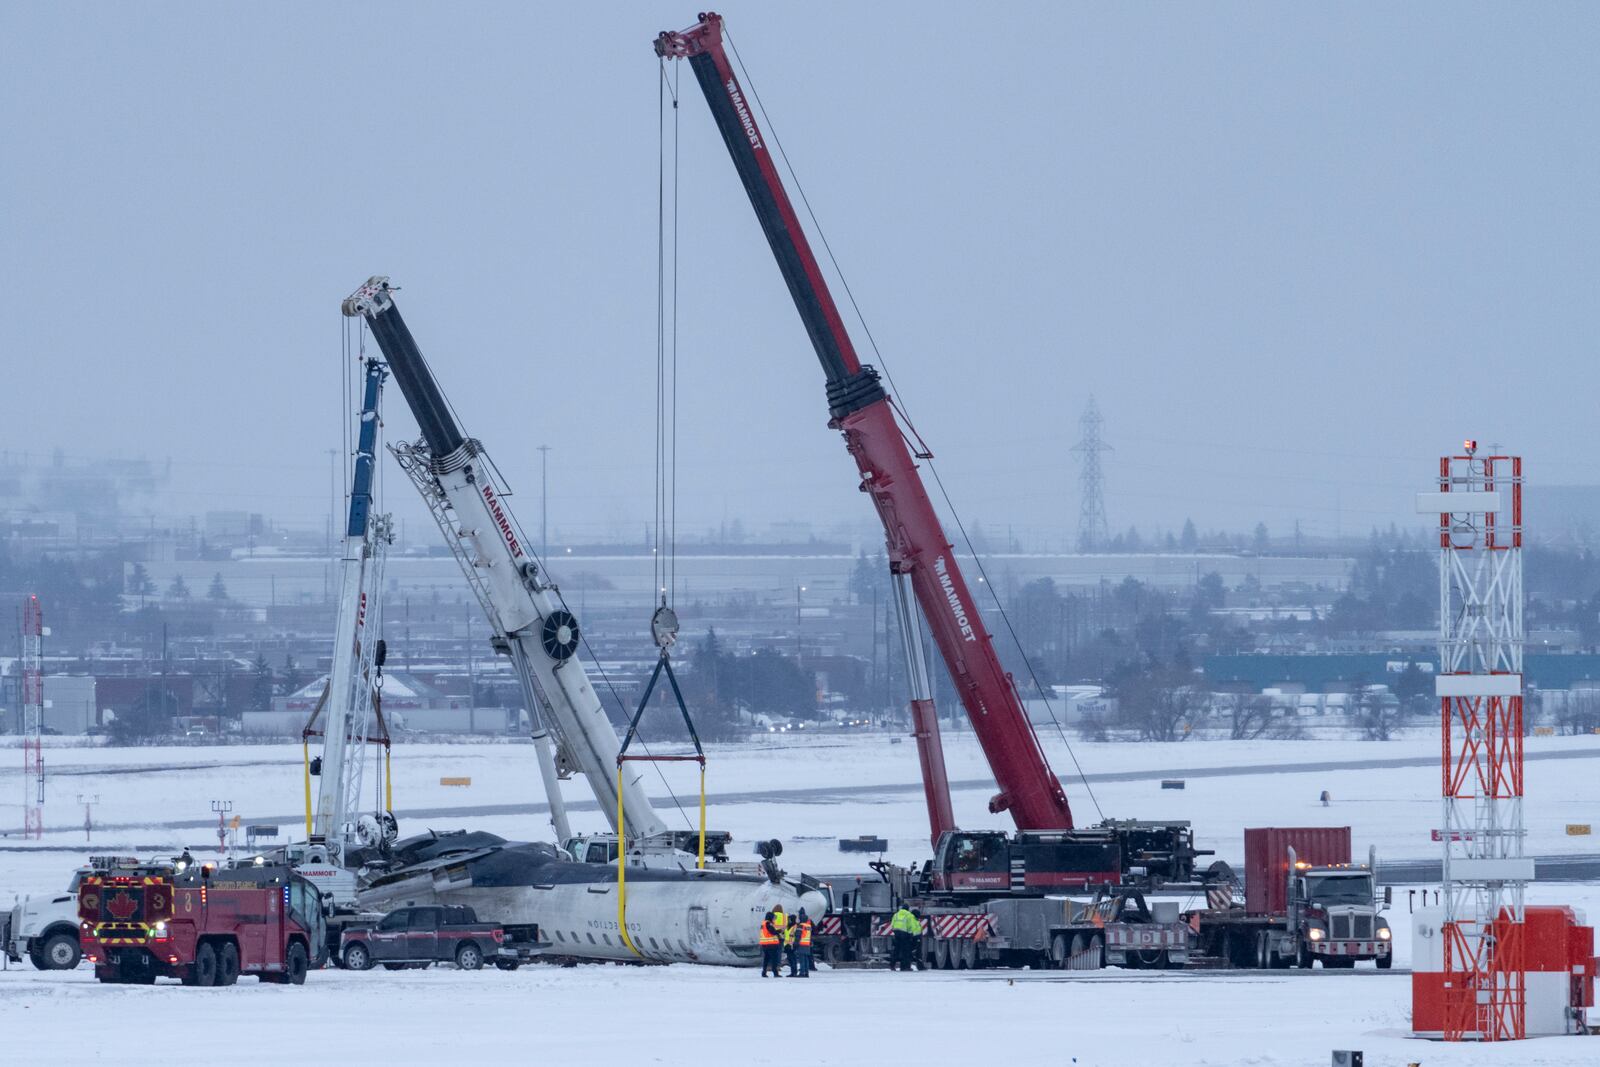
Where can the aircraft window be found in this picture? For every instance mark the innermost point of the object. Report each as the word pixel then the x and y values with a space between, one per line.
pixel 592 941
pixel 559 937
pixel 654 945
pixel 606 938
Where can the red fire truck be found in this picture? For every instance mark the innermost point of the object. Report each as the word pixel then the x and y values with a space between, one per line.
pixel 200 924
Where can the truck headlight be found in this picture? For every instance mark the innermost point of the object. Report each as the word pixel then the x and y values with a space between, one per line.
pixel 1384 934
pixel 1314 934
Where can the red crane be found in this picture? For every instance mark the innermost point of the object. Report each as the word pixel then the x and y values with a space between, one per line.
pixel 918 550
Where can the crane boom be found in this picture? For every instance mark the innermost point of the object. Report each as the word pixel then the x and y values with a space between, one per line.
pixel 348 704
pixel 861 410
pixel 458 482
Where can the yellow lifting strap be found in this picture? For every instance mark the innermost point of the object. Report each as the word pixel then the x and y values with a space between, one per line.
pixel 305 747
pixel 700 860
pixel 622 870
pixel 388 781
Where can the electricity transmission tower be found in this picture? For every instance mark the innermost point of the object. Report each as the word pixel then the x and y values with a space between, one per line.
pixel 1093 530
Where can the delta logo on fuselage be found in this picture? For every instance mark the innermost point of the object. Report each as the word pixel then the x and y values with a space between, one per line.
pixel 744 114
pixel 501 521
pixel 956 607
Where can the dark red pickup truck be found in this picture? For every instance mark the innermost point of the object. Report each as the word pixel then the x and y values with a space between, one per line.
pixel 418 936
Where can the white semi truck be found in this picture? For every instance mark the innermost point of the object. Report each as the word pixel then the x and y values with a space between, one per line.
pixel 44 929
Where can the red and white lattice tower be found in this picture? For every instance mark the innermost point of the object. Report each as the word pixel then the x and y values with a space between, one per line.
pixel 1479 684
pixel 32 702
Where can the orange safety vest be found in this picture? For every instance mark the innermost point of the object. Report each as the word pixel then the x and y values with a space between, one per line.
pixel 769 936
pixel 805 934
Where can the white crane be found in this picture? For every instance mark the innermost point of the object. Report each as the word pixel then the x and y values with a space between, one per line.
pixel 340 820
pixel 530 622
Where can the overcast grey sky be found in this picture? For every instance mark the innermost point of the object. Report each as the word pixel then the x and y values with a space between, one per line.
pixel 1294 253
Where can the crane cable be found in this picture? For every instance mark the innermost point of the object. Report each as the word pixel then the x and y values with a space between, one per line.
pixel 583 636
pixel 872 341
pixel 665 549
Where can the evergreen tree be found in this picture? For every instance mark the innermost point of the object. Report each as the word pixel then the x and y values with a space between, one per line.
pixel 261 687
pixel 1189 540
pixel 291 674
pixel 179 589
pixel 218 590
pixel 139 583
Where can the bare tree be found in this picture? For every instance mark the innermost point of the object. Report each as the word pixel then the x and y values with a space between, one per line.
pixel 1162 704
pixel 1580 712
pixel 1376 712
pixel 1250 717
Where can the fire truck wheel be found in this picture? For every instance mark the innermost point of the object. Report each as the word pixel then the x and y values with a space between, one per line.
pixel 295 963
pixel 60 953
pixel 469 957
pixel 358 957
pixel 228 964
pixel 1385 962
pixel 203 971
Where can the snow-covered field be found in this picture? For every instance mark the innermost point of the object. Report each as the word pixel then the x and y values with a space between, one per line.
pixel 606 1014
pixel 809 792
pixel 784 790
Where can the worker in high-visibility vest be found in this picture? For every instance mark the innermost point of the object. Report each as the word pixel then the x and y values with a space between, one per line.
pixel 802 942
pixel 790 933
pixel 906 929
pixel 771 943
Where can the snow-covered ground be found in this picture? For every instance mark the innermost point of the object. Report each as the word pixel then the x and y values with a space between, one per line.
pixel 606 1014
pixel 809 791
pixel 782 790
